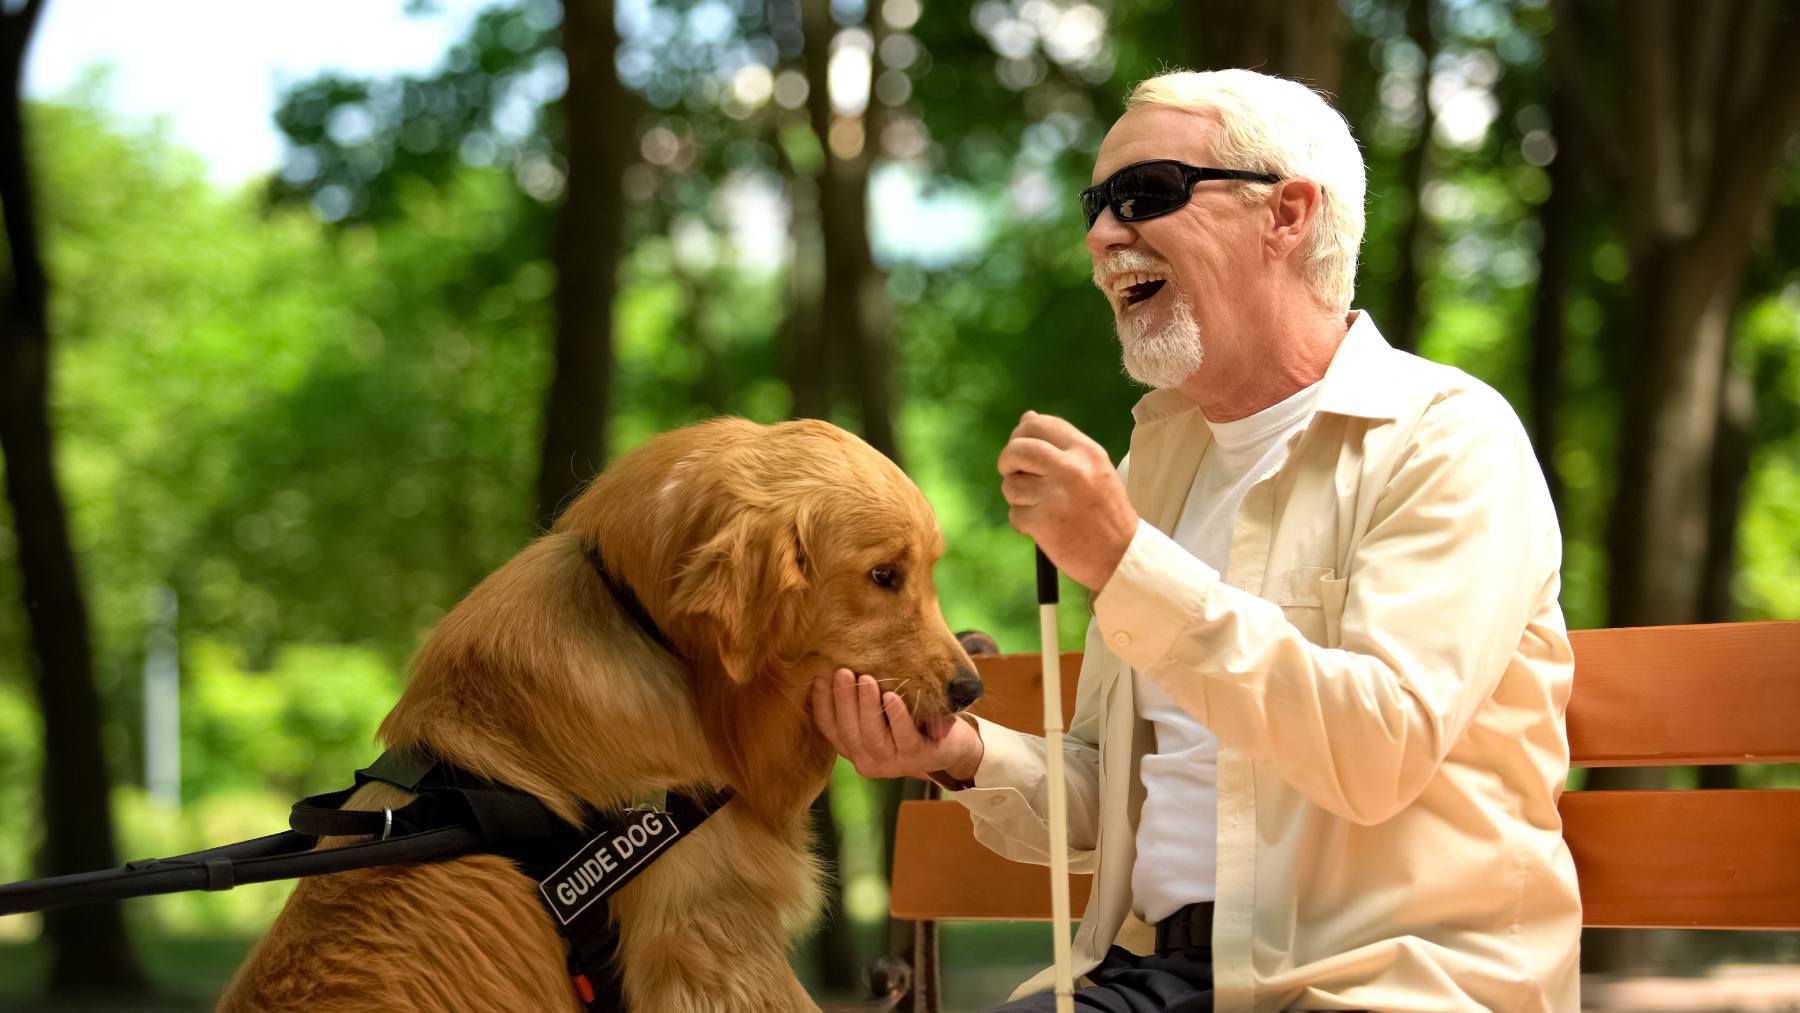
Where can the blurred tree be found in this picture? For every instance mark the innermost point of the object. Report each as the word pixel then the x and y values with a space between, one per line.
pixel 1400 322
pixel 90 950
pixel 1301 39
pixel 1557 217
pixel 843 110
pixel 597 114
pixel 1690 139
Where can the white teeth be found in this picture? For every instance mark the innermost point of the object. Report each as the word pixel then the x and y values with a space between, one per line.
pixel 1123 282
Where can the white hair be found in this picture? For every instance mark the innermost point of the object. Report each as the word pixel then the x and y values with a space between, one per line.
pixel 1270 124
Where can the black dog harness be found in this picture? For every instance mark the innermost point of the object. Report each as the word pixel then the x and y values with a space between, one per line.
pixel 575 868
pixel 455 813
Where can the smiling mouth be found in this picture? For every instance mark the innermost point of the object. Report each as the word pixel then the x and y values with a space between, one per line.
pixel 1131 288
pixel 1143 292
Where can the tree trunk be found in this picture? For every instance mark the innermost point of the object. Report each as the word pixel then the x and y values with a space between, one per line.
pixel 598 133
pixel 1661 512
pixel 1732 446
pixel 1401 324
pixel 856 316
pixel 1557 217
pixel 90 950
pixel 1299 39
pixel 810 364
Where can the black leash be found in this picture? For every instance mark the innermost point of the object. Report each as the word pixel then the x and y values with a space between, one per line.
pixel 454 813
pixel 279 856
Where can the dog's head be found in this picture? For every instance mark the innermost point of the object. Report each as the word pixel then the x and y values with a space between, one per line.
pixel 771 554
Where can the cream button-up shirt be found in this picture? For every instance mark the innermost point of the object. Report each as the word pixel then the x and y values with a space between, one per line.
pixel 1387 674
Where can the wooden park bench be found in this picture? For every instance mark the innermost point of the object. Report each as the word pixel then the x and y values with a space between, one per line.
pixel 1643 697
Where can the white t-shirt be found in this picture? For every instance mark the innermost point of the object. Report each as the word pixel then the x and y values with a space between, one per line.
pixel 1176 836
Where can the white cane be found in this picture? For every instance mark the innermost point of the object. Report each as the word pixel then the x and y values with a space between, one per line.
pixel 1059 791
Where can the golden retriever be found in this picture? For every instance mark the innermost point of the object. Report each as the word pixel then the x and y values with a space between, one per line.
pixel 767 555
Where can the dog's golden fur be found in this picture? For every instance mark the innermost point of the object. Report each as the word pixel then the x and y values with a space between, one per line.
pixel 752 548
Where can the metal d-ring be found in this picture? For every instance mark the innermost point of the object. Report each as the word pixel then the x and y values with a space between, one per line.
pixel 387 822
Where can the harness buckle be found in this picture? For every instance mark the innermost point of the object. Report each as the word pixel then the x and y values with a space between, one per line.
pixel 651 801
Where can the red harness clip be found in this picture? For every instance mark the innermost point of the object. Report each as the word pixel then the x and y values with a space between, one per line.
pixel 583 989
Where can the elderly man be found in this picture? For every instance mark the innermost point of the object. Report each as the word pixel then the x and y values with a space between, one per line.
pixel 1318 741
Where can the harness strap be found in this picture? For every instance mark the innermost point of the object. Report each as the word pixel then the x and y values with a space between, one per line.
pixel 502 816
pixel 629 601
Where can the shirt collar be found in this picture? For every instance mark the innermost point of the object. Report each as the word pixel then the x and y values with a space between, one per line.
pixel 1356 383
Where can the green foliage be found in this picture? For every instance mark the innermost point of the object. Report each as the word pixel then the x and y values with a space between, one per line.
pixel 21 747
pixel 358 147
pixel 299 727
pixel 1768 544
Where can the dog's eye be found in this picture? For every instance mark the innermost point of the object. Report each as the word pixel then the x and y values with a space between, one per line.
pixel 885 576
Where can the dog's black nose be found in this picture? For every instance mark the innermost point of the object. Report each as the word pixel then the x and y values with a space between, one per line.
pixel 963 690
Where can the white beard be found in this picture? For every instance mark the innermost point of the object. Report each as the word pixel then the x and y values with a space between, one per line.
pixel 1171 355
pixel 1166 358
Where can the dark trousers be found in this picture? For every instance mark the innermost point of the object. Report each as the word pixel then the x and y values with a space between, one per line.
pixel 1175 981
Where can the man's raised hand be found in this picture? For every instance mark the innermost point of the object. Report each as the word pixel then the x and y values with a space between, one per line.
pixel 1065 495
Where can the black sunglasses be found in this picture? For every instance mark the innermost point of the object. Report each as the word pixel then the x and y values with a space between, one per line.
pixel 1147 189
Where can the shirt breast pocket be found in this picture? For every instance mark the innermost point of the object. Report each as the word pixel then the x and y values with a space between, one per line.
pixel 1312 599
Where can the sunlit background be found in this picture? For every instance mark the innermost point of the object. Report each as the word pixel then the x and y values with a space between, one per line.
pixel 304 304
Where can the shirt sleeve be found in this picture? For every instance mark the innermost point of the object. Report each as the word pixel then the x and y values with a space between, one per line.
pixel 1010 801
pixel 1460 550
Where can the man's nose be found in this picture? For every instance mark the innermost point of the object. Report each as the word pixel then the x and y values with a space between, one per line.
pixel 1108 234
pixel 963 690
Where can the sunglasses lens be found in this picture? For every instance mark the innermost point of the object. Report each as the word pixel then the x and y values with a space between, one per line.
pixel 1145 191
pixel 1092 202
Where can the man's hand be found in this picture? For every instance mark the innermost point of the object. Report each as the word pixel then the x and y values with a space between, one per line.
pixel 1067 497
pixel 874 731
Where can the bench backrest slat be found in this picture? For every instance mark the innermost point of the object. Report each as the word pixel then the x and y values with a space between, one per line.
pixel 1648 696
pixel 1657 695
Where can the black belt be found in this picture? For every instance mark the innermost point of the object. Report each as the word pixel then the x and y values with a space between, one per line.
pixel 1189 928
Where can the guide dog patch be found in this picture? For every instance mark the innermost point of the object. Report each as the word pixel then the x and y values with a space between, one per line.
pixel 607 862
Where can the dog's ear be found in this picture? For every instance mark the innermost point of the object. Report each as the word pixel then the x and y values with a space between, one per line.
pixel 745 585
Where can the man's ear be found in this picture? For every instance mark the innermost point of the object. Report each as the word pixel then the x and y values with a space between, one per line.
pixel 1296 205
pixel 744 585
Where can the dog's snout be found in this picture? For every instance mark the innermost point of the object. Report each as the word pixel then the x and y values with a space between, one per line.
pixel 963 690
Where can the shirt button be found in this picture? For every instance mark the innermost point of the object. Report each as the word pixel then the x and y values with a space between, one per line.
pixel 1121 639
pixel 996 802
